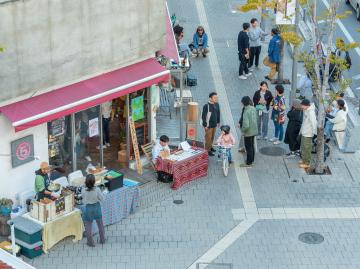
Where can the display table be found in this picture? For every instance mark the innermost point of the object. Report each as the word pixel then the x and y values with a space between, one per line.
pixel 54 231
pixel 117 205
pixel 185 170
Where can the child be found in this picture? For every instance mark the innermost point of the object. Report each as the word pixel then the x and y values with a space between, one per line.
pixel 92 196
pixel 226 140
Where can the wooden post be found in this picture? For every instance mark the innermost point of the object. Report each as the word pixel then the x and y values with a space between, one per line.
pixel 135 146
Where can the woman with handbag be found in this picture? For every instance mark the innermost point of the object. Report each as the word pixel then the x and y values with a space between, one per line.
pixel 278 114
pixel 262 100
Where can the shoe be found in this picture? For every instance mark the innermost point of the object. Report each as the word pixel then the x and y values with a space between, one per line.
pixel 297 153
pixel 88 158
pixel 267 77
pixel 277 142
pixel 291 154
pixel 107 144
pixel 244 165
pixel 204 55
pixel 304 165
pixel 242 77
pixel 273 139
pixel 210 153
pixel 98 147
pixel 213 150
pixel 243 150
pixel 248 74
pixel 265 138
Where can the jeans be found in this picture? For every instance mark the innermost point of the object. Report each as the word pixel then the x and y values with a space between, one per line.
pixel 250 149
pixel 106 128
pixel 243 65
pixel 263 121
pixel 306 145
pixel 254 53
pixel 328 128
pixel 279 131
pixel 228 153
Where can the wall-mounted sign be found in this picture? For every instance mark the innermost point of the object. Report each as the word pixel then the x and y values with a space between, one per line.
pixel 94 127
pixel 57 127
pixel 137 108
pixel 22 151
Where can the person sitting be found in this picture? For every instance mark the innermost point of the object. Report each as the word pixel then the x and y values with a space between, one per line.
pixel 226 140
pixel 162 150
pixel 184 50
pixel 200 42
pixel 338 123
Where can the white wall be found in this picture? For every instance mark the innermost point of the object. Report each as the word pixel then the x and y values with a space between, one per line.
pixel 21 178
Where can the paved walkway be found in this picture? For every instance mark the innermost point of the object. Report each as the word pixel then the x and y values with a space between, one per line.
pixel 252 218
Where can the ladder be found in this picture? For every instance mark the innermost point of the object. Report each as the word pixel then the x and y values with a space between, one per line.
pixel 135 146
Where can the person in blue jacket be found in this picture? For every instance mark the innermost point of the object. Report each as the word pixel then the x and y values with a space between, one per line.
pixel 273 58
pixel 200 42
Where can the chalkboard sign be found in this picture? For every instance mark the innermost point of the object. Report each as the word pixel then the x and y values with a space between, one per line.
pixel 140 134
pixel 57 127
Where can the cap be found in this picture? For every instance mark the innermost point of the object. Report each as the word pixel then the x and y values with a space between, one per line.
pixel 305 102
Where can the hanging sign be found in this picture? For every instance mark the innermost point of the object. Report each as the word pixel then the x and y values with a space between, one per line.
pixel 137 108
pixel 22 151
pixel 93 127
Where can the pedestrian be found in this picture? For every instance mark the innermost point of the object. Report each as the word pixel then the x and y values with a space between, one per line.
pixel 226 140
pixel 273 58
pixel 295 117
pixel 338 123
pixel 307 131
pixel 210 120
pixel 92 197
pixel 200 42
pixel 278 114
pixel 262 100
pixel 106 111
pixel 244 51
pixel 304 85
pixel 249 129
pixel 255 35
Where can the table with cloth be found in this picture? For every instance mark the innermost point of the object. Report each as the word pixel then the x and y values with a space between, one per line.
pixel 117 205
pixel 185 170
pixel 54 231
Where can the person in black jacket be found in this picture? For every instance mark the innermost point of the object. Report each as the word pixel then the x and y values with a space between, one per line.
pixel 262 100
pixel 295 116
pixel 244 51
pixel 210 120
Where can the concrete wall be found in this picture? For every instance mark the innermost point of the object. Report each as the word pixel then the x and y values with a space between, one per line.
pixel 21 178
pixel 51 43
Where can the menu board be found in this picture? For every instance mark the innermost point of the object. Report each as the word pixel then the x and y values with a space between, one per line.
pixel 57 127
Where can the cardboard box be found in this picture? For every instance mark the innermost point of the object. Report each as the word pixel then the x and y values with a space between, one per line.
pixel 122 156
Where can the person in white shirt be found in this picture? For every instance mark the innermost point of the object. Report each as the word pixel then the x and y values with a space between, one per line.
pixel 160 147
pixel 106 110
pixel 304 85
pixel 338 123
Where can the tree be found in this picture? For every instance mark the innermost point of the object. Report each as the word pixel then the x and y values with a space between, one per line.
pixel 319 60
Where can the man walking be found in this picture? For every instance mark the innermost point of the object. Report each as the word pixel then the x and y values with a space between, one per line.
pixel 244 51
pixel 273 58
pixel 307 131
pixel 210 120
pixel 255 34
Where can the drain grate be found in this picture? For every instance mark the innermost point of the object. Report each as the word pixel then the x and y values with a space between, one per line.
pixel 311 238
pixel 178 202
pixel 272 151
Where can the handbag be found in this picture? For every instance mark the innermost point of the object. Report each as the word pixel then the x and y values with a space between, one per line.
pixel 208 116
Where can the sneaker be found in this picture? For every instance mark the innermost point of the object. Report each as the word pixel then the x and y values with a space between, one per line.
pixel 242 77
pixel 297 153
pixel 291 154
pixel 248 74
pixel 265 138
pixel 273 139
pixel 244 165
pixel 277 142
pixel 88 158
pixel 108 144
pixel 210 153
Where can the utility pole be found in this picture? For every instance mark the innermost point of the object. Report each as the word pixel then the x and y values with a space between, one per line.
pixel 295 53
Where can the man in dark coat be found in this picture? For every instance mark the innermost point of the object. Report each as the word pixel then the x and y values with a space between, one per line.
pixel 210 120
pixel 244 51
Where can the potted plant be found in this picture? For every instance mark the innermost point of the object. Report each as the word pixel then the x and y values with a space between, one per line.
pixel 5 206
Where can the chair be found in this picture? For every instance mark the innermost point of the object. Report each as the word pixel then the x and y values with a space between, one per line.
pixel 147 149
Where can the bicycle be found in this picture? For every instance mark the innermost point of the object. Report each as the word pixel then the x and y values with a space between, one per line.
pixel 224 158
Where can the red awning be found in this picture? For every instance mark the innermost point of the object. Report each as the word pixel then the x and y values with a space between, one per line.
pixel 171 49
pixel 79 96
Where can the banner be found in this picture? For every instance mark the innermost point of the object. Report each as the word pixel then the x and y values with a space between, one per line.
pixel 137 108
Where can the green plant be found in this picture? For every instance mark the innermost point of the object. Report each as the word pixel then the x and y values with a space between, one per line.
pixel 5 202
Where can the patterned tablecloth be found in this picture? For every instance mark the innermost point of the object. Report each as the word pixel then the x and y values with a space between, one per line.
pixel 185 170
pixel 117 205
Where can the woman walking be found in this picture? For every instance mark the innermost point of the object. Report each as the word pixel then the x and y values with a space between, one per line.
pixel 262 100
pixel 278 114
pixel 295 116
pixel 92 197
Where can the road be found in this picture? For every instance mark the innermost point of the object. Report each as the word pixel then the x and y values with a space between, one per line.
pixel 347 30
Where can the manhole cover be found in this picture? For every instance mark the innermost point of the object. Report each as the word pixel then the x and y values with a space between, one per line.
pixel 272 151
pixel 311 238
pixel 178 202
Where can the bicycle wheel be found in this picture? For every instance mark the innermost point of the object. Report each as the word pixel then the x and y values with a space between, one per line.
pixel 225 166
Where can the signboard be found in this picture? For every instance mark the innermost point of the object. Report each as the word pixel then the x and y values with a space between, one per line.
pixel 57 127
pixel 93 127
pixel 137 108
pixel 285 12
pixel 135 145
pixel 22 151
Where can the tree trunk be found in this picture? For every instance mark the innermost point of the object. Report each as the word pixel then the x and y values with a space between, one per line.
pixel 319 163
